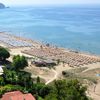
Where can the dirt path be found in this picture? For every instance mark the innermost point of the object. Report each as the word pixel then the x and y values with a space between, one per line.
pixel 94 96
pixel 55 77
pixel 95 92
pixel 58 71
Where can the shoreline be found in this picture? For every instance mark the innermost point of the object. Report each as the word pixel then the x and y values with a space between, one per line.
pixel 38 44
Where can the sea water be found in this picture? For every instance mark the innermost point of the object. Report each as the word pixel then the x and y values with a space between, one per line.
pixel 75 28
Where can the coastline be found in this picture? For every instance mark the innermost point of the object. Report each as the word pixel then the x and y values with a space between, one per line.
pixel 38 44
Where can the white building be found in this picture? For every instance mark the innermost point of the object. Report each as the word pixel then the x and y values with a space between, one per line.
pixel 1 70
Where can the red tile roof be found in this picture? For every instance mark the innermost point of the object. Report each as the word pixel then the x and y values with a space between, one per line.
pixel 17 95
pixel 29 96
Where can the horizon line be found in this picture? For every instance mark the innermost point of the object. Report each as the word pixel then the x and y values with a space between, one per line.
pixel 56 5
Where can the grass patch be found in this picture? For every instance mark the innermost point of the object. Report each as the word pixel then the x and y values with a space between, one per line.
pixel 71 75
pixel 78 70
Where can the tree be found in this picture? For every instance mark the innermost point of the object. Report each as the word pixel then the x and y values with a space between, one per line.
pixel 51 96
pixel 10 77
pixel 38 79
pixel 45 91
pixel 19 62
pixel 25 79
pixel 21 78
pixel 24 62
pixel 1 81
pixel 67 90
pixel 4 54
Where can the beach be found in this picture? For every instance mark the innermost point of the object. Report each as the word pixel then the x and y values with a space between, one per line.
pixel 46 51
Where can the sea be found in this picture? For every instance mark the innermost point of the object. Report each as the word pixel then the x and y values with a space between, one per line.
pixel 72 27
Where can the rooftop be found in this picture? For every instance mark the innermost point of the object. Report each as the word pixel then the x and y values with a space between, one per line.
pixel 17 95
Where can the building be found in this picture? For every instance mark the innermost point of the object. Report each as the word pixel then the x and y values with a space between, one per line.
pixel 44 63
pixel 17 95
pixel 1 70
